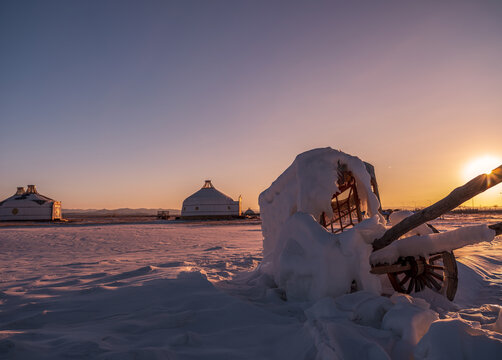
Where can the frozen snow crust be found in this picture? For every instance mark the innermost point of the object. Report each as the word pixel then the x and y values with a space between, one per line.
pixel 172 291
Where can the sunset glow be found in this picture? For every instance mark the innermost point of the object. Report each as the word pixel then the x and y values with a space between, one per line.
pixel 481 165
pixel 133 106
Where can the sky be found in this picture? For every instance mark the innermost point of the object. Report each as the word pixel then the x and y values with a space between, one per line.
pixel 111 104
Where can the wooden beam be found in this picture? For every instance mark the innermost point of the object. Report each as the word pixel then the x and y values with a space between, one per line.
pixel 385 269
pixel 456 198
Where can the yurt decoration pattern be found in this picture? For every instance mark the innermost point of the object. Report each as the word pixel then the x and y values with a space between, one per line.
pixel 209 203
pixel 29 205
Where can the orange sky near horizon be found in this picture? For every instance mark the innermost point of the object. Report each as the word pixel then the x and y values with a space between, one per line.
pixel 421 188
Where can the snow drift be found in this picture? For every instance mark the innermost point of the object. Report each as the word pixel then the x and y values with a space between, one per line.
pixel 314 263
pixel 303 258
pixel 307 186
pixel 307 261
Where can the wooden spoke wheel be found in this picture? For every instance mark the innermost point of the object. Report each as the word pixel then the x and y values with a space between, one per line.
pixel 438 272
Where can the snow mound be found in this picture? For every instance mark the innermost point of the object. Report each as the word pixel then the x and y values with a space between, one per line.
pixel 458 339
pixel 363 325
pixel 314 263
pixel 307 185
pixel 410 319
pixel 302 257
pixel 397 216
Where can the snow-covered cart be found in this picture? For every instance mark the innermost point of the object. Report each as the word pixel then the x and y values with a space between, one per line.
pixel 416 262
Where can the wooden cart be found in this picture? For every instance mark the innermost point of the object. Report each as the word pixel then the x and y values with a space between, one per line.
pixel 413 273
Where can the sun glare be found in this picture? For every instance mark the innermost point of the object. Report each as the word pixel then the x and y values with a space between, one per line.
pixel 481 165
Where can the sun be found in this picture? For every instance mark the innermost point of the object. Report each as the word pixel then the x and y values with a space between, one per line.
pixel 481 165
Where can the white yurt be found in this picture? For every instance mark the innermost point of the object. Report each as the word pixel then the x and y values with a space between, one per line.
pixel 29 205
pixel 209 203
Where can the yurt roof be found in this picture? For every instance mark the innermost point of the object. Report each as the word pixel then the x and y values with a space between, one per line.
pixel 208 195
pixel 29 198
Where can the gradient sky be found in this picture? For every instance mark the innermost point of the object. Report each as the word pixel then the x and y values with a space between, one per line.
pixel 108 104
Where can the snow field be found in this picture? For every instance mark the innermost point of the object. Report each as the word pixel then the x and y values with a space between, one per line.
pixel 185 291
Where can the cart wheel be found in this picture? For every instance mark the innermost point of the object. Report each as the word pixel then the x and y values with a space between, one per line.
pixel 438 272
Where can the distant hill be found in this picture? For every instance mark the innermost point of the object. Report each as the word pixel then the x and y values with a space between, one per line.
pixel 116 212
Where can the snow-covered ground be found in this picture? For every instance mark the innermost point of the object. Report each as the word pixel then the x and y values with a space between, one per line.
pixel 185 291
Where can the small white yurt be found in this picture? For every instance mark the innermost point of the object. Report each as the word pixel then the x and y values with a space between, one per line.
pixel 29 205
pixel 209 203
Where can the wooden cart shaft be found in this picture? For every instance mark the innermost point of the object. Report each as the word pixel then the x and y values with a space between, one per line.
pixel 456 198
